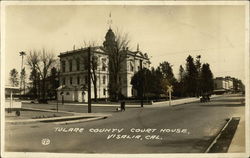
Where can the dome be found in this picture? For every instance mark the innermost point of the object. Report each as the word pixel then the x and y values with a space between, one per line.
pixel 109 39
pixel 110 36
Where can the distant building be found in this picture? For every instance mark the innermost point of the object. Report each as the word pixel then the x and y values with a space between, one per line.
pixel 223 84
pixel 73 72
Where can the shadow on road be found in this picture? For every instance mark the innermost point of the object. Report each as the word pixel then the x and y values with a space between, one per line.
pixel 197 145
pixel 229 100
pixel 225 104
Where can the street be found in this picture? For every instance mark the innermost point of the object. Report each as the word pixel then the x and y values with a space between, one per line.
pixel 186 128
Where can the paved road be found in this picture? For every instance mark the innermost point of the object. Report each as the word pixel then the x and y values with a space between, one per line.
pixel 198 122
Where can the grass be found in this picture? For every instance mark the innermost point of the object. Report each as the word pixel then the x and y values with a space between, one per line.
pixel 224 141
pixel 33 114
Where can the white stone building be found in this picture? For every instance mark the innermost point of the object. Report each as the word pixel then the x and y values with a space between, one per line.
pixel 222 84
pixel 73 73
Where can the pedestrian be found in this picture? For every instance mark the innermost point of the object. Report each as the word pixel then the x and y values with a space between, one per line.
pixel 122 102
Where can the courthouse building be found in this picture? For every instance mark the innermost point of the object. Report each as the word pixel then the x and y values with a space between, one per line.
pixel 73 71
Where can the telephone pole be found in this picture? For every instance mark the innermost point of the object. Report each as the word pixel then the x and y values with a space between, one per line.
pixel 142 84
pixel 89 80
pixel 22 53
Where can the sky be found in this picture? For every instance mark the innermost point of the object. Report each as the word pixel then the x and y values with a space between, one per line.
pixel 165 32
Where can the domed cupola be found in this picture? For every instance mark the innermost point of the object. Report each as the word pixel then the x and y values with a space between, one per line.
pixel 109 39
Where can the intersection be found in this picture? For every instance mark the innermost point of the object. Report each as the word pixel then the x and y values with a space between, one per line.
pixel 185 128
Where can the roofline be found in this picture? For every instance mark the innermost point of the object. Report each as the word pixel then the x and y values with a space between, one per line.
pixel 84 50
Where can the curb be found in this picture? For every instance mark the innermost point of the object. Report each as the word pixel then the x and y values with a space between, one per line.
pixel 80 120
pixel 46 110
pixel 217 137
pixel 77 116
pixel 238 144
pixel 221 131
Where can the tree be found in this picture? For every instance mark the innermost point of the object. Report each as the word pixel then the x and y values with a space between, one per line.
pixel 156 82
pixel 168 78
pixel 167 72
pixel 32 61
pixel 14 78
pixel 179 89
pixel 34 77
pixel 191 77
pixel 148 83
pixel 93 66
pixel 141 82
pixel 41 61
pixel 207 82
pixel 54 82
pixel 181 74
pixel 23 79
pixel 198 67
pixel 164 85
pixel 238 85
pixel 116 46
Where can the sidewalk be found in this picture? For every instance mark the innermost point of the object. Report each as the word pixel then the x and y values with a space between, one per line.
pixel 178 101
pixel 134 105
pixel 77 117
pixel 238 142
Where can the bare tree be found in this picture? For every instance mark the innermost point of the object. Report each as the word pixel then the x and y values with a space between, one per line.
pixel 117 55
pixel 41 61
pixel 32 60
pixel 93 66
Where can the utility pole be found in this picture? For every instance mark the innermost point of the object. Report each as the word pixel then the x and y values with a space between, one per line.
pixel 89 81
pixel 142 84
pixel 22 53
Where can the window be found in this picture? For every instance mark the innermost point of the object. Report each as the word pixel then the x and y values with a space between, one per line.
pixel 104 91
pixel 70 80
pixel 141 64
pixel 70 65
pixel 104 79
pixel 63 66
pixel 131 67
pixel 86 79
pixel 94 62
pixel 120 80
pixel 78 80
pixel 104 65
pixel 63 81
pixel 77 64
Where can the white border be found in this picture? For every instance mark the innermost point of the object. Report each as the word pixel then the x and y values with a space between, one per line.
pixel 59 155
